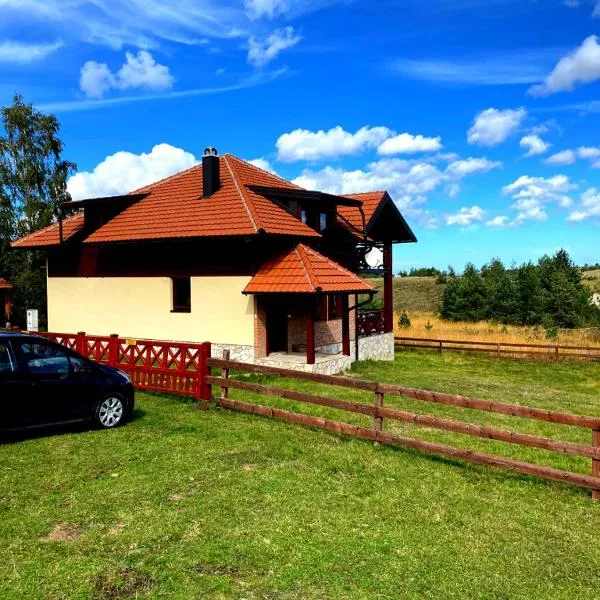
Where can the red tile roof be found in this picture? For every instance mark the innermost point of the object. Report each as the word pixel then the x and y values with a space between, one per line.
pixel 304 270
pixel 174 208
pixel 5 285
pixel 351 215
pixel 50 236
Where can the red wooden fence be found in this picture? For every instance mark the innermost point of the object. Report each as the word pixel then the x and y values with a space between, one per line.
pixel 174 367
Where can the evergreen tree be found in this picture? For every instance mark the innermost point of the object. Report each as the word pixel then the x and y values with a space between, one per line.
pixel 501 293
pixel 530 295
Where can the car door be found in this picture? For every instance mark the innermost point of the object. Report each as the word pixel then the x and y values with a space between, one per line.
pixel 15 390
pixel 46 366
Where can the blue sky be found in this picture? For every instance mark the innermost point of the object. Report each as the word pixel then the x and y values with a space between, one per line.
pixel 480 117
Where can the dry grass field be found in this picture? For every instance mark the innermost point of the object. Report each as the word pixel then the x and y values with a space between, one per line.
pixel 485 331
pixel 420 297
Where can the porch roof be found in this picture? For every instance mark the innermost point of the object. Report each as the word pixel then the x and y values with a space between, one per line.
pixel 303 270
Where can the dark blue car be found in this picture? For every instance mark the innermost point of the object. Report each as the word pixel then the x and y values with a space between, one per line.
pixel 43 383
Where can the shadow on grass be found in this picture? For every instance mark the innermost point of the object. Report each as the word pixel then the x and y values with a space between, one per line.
pixel 53 430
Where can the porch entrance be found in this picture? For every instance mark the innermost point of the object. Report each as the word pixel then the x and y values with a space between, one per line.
pixel 277 328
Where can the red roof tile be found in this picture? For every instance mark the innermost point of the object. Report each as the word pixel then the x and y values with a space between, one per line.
pixel 50 236
pixel 351 215
pixel 174 208
pixel 304 270
pixel 5 285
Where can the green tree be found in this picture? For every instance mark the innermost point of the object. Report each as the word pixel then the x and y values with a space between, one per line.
pixel 33 185
pixel 530 295
pixel 566 299
pixel 464 298
pixel 501 293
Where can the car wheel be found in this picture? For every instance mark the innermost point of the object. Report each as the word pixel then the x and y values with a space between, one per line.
pixel 110 412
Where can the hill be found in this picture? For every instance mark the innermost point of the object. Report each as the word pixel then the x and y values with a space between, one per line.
pixel 420 294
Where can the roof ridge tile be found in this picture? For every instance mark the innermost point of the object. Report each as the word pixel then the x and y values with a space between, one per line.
pixel 241 192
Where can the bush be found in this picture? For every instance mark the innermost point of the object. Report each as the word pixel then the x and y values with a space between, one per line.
pixel 404 320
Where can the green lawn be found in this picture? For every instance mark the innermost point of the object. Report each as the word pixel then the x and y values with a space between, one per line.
pixel 188 504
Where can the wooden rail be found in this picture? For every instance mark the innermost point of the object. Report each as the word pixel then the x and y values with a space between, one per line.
pixel 379 412
pixel 551 351
pixel 172 367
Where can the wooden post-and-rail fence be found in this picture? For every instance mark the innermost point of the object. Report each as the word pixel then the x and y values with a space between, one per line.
pixel 378 411
pixel 186 369
pixel 511 349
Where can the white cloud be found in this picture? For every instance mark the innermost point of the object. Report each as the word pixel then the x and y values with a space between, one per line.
pixel 406 143
pixel 270 9
pixel 521 66
pixel 408 182
pixel 262 52
pixel 466 216
pixel 453 190
pixel 264 164
pixel 123 172
pixel 499 221
pixel 138 71
pixel 266 8
pixel 17 52
pixel 588 207
pixel 582 65
pixel 588 152
pixel 566 157
pixel 493 126
pixel 470 166
pixel 303 144
pixel 531 194
pixel 534 145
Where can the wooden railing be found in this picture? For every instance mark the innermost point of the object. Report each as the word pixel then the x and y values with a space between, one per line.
pixel 173 367
pixel 548 351
pixel 370 322
pixel 379 412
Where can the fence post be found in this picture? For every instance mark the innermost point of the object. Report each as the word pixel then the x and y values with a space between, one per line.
pixel 441 344
pixel 204 390
pixel 225 374
pixel 113 350
pixel 377 418
pixel 596 461
pixel 498 350
pixel 556 350
pixel 80 343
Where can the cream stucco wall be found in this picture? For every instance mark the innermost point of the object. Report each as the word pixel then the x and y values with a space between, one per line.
pixel 140 307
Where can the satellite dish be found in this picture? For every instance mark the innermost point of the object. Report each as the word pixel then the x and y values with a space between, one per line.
pixel 374 258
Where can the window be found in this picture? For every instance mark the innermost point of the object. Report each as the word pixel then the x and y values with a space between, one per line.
pixel 7 364
pixel 182 294
pixel 329 308
pixel 303 216
pixel 322 221
pixel 79 365
pixel 42 358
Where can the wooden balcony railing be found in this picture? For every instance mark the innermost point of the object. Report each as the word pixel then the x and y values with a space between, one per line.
pixel 370 322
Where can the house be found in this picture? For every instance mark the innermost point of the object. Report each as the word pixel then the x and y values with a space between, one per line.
pixel 229 253
pixel 5 301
